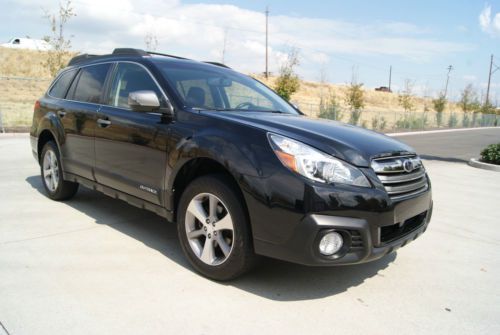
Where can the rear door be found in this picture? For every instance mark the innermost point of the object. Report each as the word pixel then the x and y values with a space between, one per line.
pixel 79 117
pixel 130 147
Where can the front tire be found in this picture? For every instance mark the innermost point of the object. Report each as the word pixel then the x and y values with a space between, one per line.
pixel 52 176
pixel 213 228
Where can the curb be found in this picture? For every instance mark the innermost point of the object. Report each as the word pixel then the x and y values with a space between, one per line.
pixel 485 166
pixel 422 132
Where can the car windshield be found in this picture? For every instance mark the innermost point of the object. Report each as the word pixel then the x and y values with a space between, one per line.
pixel 210 87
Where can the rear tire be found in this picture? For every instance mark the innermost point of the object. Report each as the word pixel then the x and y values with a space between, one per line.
pixel 213 228
pixel 52 176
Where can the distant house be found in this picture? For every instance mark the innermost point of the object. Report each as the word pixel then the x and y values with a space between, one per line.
pixel 27 43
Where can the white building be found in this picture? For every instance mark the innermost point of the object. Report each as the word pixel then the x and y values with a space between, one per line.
pixel 27 43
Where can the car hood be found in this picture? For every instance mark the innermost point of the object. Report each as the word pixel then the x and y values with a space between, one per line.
pixel 355 145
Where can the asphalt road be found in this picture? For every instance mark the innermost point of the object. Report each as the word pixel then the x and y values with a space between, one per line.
pixel 95 265
pixel 456 146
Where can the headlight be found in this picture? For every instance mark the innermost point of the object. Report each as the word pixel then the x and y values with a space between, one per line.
pixel 314 164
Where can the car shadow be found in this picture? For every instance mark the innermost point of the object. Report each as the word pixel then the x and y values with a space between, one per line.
pixel 271 279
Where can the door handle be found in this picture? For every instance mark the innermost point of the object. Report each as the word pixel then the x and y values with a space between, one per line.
pixel 103 123
pixel 61 113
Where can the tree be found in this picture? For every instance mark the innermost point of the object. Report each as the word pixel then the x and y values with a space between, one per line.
pixel 487 108
pixel 329 108
pixel 468 98
pixel 354 98
pixel 405 97
pixel 151 41
pixel 288 81
pixel 439 107
pixel 61 45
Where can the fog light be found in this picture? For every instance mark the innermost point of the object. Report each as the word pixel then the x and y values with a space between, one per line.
pixel 330 243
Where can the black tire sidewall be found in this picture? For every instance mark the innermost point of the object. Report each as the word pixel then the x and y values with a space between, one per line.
pixel 59 192
pixel 238 260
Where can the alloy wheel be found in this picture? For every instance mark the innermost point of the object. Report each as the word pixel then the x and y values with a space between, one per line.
pixel 51 170
pixel 209 229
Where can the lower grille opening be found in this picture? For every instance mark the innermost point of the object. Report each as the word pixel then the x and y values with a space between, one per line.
pixel 394 232
pixel 356 240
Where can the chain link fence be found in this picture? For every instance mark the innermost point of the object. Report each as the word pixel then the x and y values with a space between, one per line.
pixel 398 121
pixel 20 93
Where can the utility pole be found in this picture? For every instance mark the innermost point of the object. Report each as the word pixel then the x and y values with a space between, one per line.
pixel 449 68
pixel 267 40
pixel 390 77
pixel 496 68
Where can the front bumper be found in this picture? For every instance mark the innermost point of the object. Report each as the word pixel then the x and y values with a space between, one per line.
pixel 367 236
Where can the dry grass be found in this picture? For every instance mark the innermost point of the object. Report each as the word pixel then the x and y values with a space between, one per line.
pixel 18 98
pixel 24 63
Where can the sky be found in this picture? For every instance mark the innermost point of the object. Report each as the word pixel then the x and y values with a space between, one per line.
pixel 337 40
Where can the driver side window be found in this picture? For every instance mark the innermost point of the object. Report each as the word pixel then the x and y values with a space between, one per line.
pixel 129 78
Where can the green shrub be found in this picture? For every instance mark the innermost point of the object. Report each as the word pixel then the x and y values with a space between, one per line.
pixel 466 120
pixel 329 108
pixel 379 123
pixel 288 81
pixel 439 107
pixel 439 118
pixel 355 116
pixel 453 120
pixel 411 121
pixel 491 154
pixel 354 98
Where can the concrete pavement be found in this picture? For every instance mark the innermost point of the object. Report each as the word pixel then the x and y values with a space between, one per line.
pixel 457 145
pixel 95 265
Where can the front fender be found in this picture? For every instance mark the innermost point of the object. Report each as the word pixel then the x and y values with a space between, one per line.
pixel 241 151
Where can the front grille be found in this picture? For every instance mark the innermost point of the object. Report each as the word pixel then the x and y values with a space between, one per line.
pixel 396 231
pixel 402 176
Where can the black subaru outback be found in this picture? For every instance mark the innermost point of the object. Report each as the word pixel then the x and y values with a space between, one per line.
pixel 241 171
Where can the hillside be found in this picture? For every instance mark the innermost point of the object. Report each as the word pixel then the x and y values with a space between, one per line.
pixel 23 79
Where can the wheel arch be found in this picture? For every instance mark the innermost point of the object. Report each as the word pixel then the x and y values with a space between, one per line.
pixel 45 136
pixel 197 167
pixel 49 128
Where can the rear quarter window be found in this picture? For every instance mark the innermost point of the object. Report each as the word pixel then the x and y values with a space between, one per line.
pixel 91 83
pixel 61 85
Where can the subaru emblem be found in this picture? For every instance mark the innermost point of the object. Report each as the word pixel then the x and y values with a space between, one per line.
pixel 408 165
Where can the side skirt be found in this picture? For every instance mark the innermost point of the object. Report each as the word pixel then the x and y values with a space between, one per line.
pixel 111 192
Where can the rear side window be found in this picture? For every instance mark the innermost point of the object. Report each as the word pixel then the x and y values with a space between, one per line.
pixel 91 83
pixel 62 83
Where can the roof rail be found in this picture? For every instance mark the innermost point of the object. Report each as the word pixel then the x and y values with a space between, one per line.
pixel 218 64
pixel 129 51
pixel 80 58
pixel 161 54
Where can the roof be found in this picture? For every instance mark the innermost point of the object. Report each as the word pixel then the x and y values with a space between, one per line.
pixel 131 53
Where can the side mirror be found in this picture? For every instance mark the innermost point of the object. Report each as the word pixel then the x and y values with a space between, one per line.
pixel 143 101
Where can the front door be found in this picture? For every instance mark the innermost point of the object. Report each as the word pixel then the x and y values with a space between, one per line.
pixel 131 147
